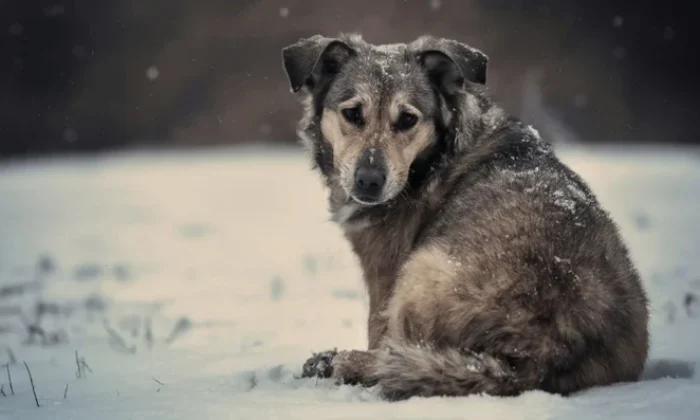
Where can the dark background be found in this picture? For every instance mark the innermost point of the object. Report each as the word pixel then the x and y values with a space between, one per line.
pixel 90 75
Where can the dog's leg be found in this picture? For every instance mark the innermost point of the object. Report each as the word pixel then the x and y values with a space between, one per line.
pixel 350 367
pixel 376 328
pixel 379 289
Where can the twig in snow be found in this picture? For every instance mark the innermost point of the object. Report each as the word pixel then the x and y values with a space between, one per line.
pixel 253 382
pixel 31 381
pixel 148 334
pixel 9 379
pixel 182 326
pixel 35 334
pixel 690 302
pixel 79 373
pixel 65 392
pixel 117 340
pixel 158 382
pixel 81 365
pixel 2 390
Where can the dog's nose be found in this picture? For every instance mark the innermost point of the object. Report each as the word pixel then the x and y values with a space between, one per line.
pixel 369 181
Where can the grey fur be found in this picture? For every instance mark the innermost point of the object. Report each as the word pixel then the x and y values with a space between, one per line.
pixel 490 266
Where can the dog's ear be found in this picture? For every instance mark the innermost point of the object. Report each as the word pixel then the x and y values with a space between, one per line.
pixel 314 61
pixel 450 63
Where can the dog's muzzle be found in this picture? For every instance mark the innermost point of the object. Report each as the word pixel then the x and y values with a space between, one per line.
pixel 370 177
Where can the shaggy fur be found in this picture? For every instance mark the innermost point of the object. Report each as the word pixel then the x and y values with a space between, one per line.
pixel 490 265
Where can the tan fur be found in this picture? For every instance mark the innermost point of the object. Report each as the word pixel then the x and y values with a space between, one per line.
pixel 345 140
pixel 426 280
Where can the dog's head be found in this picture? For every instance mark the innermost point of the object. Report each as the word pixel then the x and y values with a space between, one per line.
pixel 374 112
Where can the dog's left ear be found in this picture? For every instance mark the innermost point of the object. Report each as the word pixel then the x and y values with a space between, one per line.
pixel 315 60
pixel 450 63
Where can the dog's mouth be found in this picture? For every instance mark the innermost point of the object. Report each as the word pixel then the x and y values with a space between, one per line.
pixel 387 194
pixel 366 200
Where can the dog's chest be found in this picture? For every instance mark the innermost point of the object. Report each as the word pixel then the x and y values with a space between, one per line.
pixel 382 246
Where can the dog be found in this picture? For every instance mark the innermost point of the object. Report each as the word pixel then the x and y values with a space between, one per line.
pixel 491 267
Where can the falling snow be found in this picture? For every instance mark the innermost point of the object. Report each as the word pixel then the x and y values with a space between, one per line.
pixel 55 10
pixel 669 33
pixel 152 73
pixel 581 100
pixel 16 29
pixel 79 51
pixel 70 135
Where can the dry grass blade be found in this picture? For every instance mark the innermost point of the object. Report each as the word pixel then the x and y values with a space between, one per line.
pixel 116 340
pixel 79 373
pixel 9 379
pixel 181 327
pixel 31 381
pixel 148 335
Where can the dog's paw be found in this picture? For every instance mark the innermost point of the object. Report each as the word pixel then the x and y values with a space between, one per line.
pixel 319 365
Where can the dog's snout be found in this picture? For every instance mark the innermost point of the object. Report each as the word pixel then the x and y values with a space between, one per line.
pixel 369 180
pixel 370 176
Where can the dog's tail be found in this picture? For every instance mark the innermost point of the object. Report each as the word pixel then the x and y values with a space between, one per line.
pixel 405 370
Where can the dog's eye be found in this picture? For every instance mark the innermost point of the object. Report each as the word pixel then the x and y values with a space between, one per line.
pixel 353 115
pixel 406 121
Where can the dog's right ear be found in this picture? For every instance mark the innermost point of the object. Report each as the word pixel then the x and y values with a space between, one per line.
pixel 314 61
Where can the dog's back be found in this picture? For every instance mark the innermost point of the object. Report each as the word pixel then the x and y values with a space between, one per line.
pixel 520 281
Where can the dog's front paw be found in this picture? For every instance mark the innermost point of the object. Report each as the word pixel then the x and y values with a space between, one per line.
pixel 319 365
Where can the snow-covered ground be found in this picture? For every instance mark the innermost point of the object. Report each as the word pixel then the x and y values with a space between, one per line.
pixel 193 285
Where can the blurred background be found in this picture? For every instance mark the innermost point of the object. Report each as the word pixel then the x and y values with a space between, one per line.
pixel 85 75
pixel 132 243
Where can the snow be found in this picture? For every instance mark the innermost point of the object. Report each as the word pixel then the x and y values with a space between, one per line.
pixel 152 73
pixel 563 202
pixel 618 21
pixel 196 284
pixel 669 33
pixel 16 29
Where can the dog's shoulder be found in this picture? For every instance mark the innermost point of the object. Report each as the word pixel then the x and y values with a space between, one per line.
pixel 513 151
pixel 515 159
pixel 516 183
